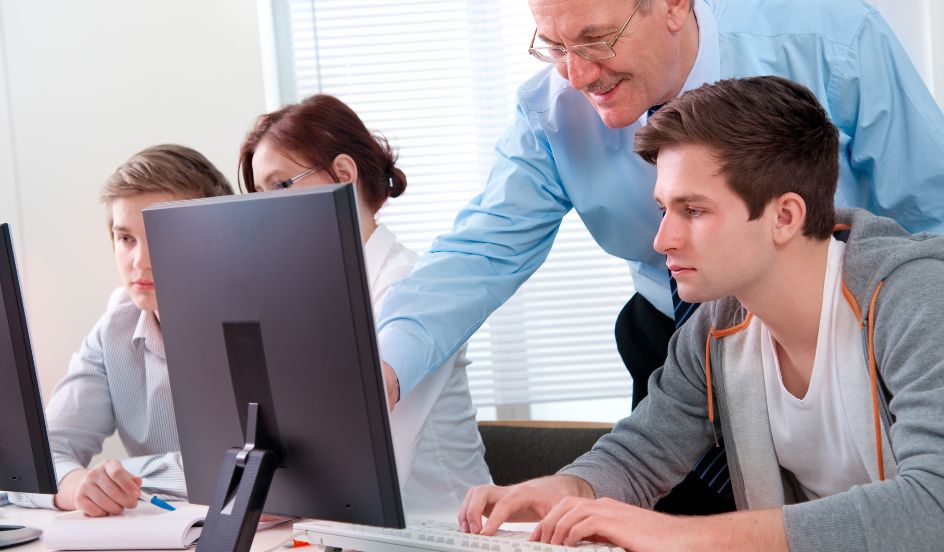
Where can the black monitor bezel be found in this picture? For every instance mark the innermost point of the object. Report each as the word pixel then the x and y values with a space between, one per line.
pixel 43 477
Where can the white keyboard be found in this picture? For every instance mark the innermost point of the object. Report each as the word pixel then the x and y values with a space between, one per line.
pixel 421 534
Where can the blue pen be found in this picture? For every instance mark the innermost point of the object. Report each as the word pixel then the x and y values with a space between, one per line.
pixel 156 501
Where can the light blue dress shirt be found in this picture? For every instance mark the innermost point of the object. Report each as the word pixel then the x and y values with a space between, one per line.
pixel 559 156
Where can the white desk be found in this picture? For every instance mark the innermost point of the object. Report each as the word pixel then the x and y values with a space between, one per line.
pixel 40 519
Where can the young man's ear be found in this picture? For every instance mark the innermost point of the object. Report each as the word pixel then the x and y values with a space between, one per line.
pixel 345 167
pixel 790 215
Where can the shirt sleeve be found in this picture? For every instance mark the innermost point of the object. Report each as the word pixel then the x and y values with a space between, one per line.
pixel 878 98
pixel 30 500
pixel 651 451
pixel 79 416
pixel 161 474
pixel 498 240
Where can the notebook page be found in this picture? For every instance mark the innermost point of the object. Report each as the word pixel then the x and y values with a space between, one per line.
pixel 144 527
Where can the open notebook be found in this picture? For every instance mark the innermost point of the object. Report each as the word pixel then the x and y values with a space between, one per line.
pixel 145 527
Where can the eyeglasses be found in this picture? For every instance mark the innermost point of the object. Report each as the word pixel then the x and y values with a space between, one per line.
pixel 287 183
pixel 591 51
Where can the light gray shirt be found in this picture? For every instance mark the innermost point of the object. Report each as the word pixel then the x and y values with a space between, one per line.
pixel 117 381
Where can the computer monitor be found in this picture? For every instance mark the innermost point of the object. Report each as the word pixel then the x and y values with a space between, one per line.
pixel 25 461
pixel 263 299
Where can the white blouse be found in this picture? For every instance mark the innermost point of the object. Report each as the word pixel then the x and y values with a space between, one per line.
pixel 436 442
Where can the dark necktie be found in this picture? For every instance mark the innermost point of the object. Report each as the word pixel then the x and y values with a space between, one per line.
pixel 683 310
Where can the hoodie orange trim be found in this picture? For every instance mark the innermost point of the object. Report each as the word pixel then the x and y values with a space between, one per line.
pixel 711 395
pixel 711 407
pixel 733 329
pixel 852 303
pixel 717 334
pixel 873 382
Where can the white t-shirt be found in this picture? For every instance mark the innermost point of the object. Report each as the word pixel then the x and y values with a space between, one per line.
pixel 812 435
pixel 436 441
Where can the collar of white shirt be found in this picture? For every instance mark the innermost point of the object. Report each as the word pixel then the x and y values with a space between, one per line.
pixel 376 251
pixel 148 331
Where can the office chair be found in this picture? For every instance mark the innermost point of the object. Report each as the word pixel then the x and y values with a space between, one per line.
pixel 518 450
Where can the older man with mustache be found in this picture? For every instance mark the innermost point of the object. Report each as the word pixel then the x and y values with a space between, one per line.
pixel 610 64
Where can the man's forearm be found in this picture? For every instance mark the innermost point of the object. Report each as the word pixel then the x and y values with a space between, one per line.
pixel 747 531
pixel 571 485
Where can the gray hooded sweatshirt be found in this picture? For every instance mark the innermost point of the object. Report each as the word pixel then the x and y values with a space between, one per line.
pixel 894 283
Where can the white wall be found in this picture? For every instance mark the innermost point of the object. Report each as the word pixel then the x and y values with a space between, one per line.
pixel 83 85
pixel 936 17
pixel 9 198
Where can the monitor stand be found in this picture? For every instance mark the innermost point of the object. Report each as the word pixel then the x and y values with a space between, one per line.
pixel 240 492
pixel 11 535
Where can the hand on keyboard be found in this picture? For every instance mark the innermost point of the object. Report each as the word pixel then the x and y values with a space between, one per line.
pixel 574 520
pixel 428 535
pixel 567 514
pixel 502 541
pixel 528 501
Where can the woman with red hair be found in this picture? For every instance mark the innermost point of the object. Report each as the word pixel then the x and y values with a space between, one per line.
pixel 321 141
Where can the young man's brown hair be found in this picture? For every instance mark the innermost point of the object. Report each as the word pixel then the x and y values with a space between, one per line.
pixel 771 136
pixel 169 168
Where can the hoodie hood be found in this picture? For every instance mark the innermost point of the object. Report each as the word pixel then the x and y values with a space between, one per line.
pixel 876 247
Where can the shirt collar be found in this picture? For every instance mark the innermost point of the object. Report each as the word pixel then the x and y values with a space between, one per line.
pixel 707 66
pixel 148 332
pixel 376 251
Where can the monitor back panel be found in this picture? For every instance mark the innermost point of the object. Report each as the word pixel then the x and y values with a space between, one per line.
pixel 264 297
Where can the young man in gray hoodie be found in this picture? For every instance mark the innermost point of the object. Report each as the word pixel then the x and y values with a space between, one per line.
pixel 817 357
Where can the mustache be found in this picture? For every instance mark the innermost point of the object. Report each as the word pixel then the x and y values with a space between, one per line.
pixel 607 81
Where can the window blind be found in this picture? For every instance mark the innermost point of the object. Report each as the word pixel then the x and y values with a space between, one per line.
pixel 438 79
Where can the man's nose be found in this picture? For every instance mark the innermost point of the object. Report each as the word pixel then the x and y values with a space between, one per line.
pixel 142 258
pixel 581 72
pixel 667 236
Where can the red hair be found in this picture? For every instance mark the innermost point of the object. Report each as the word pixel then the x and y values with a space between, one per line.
pixel 315 131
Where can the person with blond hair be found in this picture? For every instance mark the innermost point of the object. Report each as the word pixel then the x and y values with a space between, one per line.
pixel 118 381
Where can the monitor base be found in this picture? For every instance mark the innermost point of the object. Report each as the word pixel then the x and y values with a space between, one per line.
pixel 240 494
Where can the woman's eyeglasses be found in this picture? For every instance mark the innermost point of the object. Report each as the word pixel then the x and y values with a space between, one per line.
pixel 287 183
